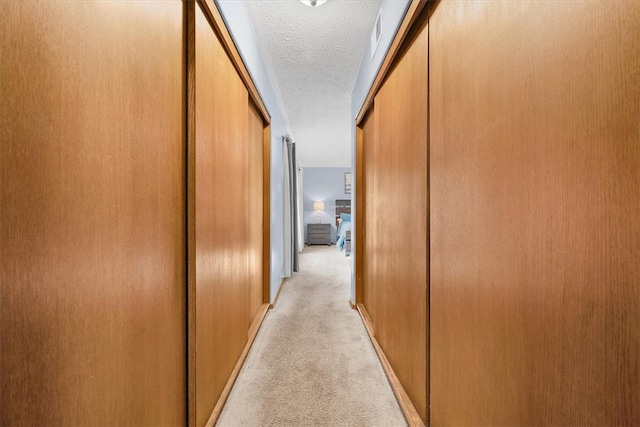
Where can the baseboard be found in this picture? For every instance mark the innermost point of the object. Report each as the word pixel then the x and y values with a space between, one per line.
pixel 408 410
pixel 368 324
pixel 253 331
pixel 273 304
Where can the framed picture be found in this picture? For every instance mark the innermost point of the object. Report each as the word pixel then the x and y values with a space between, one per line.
pixel 347 183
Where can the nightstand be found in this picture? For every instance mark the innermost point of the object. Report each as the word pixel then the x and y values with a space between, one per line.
pixel 318 234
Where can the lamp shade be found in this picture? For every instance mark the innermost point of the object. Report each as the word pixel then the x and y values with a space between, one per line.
pixel 318 206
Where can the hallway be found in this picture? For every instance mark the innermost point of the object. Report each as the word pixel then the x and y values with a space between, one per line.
pixel 312 362
pixel 147 215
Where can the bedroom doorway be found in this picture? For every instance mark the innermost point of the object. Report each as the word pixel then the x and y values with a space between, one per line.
pixel 326 194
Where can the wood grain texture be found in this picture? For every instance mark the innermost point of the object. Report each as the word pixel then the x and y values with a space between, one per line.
pixel 211 10
pixel 253 332
pixel 92 218
pixel 190 32
pixel 396 240
pixel 254 205
pixel 222 218
pixel 266 215
pixel 535 200
pixel 358 254
pixel 406 405
pixel 365 270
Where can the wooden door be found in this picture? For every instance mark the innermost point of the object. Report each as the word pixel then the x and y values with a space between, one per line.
pixel 92 216
pixel 535 195
pixel 395 229
pixel 254 205
pixel 221 218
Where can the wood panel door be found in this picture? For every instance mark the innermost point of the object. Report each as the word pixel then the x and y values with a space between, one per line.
pixel 396 232
pixel 366 200
pixel 254 205
pixel 535 200
pixel 359 217
pixel 221 218
pixel 92 216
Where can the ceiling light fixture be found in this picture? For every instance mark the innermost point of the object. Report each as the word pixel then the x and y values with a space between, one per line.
pixel 314 3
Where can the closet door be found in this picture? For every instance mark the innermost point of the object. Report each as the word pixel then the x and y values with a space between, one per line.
pixel 396 218
pixel 254 205
pixel 535 201
pixel 365 199
pixel 92 215
pixel 227 244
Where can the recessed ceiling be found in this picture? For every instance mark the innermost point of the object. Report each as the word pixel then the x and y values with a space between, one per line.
pixel 313 55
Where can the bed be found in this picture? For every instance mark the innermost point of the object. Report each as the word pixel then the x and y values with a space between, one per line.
pixel 343 224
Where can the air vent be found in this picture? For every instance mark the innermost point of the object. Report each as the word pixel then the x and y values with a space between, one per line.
pixel 376 33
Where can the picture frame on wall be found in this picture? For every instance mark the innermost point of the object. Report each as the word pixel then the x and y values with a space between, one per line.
pixel 347 183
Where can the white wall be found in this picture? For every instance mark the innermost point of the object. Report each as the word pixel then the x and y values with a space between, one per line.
pixel 393 12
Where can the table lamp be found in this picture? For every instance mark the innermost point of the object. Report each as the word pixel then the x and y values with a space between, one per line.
pixel 318 207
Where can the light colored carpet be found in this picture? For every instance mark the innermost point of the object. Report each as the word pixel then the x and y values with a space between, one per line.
pixel 312 363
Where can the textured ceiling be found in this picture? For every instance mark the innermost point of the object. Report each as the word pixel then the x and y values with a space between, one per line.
pixel 313 56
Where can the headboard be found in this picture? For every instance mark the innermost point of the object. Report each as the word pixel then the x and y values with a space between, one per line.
pixel 342 206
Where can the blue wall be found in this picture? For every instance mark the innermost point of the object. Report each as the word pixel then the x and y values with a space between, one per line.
pixel 236 16
pixel 326 185
pixel 392 12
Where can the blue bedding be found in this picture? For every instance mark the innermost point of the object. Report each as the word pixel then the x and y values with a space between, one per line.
pixel 342 234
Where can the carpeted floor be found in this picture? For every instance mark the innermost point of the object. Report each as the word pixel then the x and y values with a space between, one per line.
pixel 312 363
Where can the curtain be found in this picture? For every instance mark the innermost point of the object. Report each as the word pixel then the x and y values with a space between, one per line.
pixel 290 241
pixel 300 206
